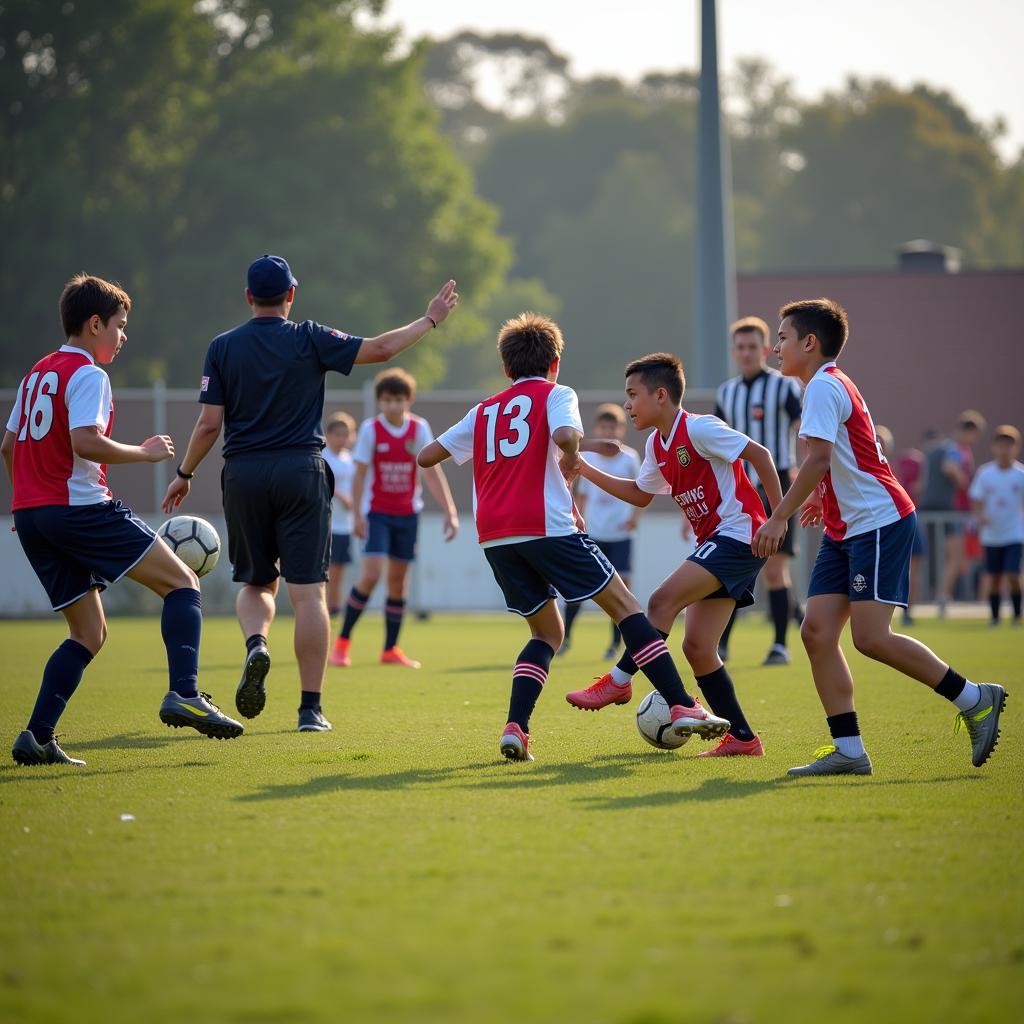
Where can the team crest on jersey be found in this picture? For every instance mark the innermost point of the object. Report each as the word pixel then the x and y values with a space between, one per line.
pixel 683 455
pixel 205 386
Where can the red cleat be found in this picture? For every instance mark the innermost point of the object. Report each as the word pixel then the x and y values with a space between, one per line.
pixel 732 747
pixel 515 744
pixel 600 694
pixel 394 656
pixel 695 720
pixel 339 653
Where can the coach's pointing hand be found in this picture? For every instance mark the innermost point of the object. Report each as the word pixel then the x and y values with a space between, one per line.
pixel 443 303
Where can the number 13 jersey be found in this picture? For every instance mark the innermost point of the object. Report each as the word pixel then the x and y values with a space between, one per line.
pixel 64 390
pixel 519 492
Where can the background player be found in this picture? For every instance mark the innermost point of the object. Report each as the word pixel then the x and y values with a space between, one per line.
pixel 696 459
pixel 764 405
pixel 861 573
pixel 997 498
pixel 523 442
pixel 78 538
pixel 339 434
pixel 610 522
pixel 385 459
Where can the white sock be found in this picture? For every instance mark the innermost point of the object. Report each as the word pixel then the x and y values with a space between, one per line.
pixel 969 696
pixel 619 678
pixel 849 746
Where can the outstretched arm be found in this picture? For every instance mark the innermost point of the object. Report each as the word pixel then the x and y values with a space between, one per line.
pixel 617 486
pixel 813 469
pixel 386 346
pixel 89 444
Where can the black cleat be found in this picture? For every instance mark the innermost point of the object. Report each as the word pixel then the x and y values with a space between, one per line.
pixel 27 751
pixel 251 695
pixel 198 713
pixel 312 720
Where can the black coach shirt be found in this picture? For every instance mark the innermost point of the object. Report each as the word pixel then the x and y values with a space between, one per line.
pixel 269 376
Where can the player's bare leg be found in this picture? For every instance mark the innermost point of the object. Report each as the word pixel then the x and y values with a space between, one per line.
pixel 528 678
pixel 777 579
pixel 335 578
pixel 954 568
pixel 394 613
pixel 312 637
pixel 255 606
pixel 162 571
pixel 87 623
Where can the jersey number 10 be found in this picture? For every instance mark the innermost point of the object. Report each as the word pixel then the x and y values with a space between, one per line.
pixel 517 409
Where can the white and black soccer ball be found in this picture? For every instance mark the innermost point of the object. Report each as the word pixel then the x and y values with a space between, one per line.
pixel 654 723
pixel 193 540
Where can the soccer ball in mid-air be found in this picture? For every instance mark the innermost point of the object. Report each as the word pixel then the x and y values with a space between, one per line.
pixel 654 723
pixel 194 541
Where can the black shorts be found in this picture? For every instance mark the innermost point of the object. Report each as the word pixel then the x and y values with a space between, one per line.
pixel 341 549
pixel 278 508
pixel 619 552
pixel 1001 558
pixel 74 548
pixel 531 572
pixel 788 546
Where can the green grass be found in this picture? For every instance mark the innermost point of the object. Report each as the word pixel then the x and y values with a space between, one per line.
pixel 398 870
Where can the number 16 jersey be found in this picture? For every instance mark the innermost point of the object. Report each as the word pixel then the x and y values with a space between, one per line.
pixel 519 492
pixel 64 390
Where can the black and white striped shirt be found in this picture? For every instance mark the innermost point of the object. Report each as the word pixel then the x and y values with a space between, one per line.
pixel 765 408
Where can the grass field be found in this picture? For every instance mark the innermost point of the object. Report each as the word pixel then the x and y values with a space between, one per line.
pixel 398 870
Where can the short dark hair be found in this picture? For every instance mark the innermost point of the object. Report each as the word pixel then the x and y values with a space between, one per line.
pixel 660 370
pixel 395 381
pixel 528 344
pixel 824 318
pixel 610 411
pixel 268 301
pixel 340 419
pixel 750 323
pixel 85 296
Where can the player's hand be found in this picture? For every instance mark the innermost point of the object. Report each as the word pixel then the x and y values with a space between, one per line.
pixel 450 526
pixel 768 539
pixel 580 524
pixel 157 449
pixel 443 303
pixel 570 466
pixel 359 526
pixel 601 446
pixel 177 492
pixel 811 515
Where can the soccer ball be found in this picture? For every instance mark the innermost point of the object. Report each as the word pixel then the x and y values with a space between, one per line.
pixel 193 540
pixel 653 722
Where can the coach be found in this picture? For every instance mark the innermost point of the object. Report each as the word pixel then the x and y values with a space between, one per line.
pixel 263 382
pixel 764 405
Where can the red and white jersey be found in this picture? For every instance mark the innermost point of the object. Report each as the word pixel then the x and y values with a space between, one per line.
pixel 393 481
pixel 699 465
pixel 519 492
pixel 860 492
pixel 64 390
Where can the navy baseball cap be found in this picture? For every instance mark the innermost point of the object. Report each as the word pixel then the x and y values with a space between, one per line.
pixel 270 276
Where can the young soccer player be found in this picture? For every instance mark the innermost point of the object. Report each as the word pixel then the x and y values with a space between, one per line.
pixel 997 497
pixel 610 522
pixel 77 537
pixel 861 574
pixel 698 460
pixel 385 457
pixel 524 442
pixel 339 435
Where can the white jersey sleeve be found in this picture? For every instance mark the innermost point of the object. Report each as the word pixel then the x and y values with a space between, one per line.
pixel 976 492
pixel 650 478
pixel 458 440
pixel 14 420
pixel 88 398
pixel 563 409
pixel 826 407
pixel 424 435
pixel 365 442
pixel 715 439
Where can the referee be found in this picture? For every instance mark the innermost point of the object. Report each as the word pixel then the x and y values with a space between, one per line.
pixel 264 383
pixel 764 405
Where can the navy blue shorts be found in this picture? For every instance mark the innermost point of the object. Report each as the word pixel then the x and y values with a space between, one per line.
pixel 73 548
pixel 733 564
pixel 1003 558
pixel 619 553
pixel 341 549
pixel 531 572
pixel 393 536
pixel 873 566
pixel 920 545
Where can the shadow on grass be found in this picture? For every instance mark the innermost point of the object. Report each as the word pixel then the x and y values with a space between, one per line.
pixel 721 788
pixel 503 666
pixel 19 775
pixel 127 741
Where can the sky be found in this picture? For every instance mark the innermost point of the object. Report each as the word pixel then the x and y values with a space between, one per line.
pixel 969 47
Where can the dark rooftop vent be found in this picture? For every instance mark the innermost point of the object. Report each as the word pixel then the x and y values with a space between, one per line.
pixel 924 257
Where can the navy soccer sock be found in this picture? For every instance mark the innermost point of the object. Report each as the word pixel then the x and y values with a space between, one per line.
pixel 394 612
pixel 648 652
pixel 309 699
pixel 353 609
pixel 254 641
pixel 181 625
pixel 626 664
pixel 778 604
pixel 721 698
pixel 61 677
pixel 528 678
pixel 1015 601
pixel 993 604
pixel 571 611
